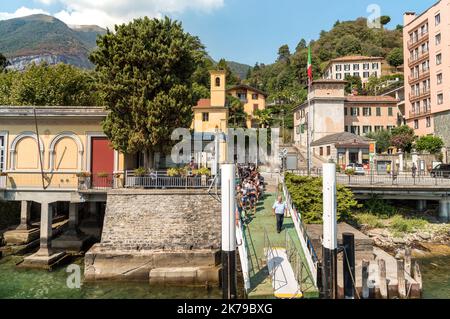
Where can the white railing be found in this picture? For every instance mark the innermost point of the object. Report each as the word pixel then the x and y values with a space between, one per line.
pixel 307 247
pixel 243 252
pixel 161 180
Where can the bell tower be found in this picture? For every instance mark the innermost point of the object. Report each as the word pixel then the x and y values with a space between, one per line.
pixel 218 88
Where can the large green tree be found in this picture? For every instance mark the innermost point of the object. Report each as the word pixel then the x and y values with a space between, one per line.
pixel 395 57
pixel 146 70
pixel 382 139
pixel 52 85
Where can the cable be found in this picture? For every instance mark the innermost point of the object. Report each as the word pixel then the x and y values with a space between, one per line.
pixel 39 149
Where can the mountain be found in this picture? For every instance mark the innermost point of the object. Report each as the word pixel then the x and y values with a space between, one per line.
pixel 39 38
pixel 240 69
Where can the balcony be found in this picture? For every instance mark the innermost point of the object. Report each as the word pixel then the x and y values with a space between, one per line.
pixel 419 58
pixel 420 39
pixel 419 113
pixel 419 76
pixel 414 96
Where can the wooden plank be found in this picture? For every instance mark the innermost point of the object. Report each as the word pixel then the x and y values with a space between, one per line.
pixel 418 276
pixel 408 264
pixel 401 279
pixel 365 279
pixel 382 279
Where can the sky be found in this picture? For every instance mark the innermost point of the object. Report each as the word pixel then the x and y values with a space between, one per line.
pixel 246 31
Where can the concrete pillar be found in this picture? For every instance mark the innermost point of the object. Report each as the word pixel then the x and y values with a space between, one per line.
pixel 415 158
pixel 73 220
pixel 46 230
pixel 444 210
pixel 360 156
pixel 401 159
pixel 25 215
pixel 421 205
pixel 347 156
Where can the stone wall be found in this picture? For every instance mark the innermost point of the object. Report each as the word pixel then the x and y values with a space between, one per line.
pixel 162 219
pixel 442 127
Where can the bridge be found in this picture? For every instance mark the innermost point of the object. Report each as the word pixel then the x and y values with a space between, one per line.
pixel 399 186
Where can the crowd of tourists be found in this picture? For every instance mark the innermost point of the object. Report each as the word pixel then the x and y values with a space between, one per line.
pixel 249 190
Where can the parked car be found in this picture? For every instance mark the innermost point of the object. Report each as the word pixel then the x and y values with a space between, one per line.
pixel 357 168
pixel 442 170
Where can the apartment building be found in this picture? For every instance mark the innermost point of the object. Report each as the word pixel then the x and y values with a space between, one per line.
pixel 427 70
pixel 362 66
pixel 333 112
pixel 253 100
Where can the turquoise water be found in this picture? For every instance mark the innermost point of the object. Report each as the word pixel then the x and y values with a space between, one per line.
pixel 436 277
pixel 19 283
pixel 37 284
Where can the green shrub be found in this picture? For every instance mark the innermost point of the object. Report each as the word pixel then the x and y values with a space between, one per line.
pixel 350 172
pixel 140 172
pixel 368 220
pixel 307 196
pixel 379 207
pixel 403 225
pixel 202 171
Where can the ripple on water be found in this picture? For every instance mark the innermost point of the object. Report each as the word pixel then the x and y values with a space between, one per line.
pixel 18 283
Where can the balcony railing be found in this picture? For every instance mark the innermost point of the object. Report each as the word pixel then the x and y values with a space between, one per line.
pixel 420 94
pixel 419 113
pixel 419 58
pixel 414 42
pixel 419 76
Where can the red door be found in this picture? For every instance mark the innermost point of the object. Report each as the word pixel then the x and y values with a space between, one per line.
pixel 102 163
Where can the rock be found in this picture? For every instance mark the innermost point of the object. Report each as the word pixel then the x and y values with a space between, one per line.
pixel 424 236
pixel 378 232
pixel 399 241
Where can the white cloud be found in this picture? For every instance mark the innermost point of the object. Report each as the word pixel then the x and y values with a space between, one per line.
pixel 106 13
pixel 21 12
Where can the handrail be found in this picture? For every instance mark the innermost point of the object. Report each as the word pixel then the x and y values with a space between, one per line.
pixel 243 251
pixel 305 241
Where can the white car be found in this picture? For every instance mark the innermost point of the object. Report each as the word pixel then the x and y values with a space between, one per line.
pixel 358 168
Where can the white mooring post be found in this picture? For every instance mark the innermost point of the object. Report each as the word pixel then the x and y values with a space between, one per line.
pixel 229 279
pixel 329 232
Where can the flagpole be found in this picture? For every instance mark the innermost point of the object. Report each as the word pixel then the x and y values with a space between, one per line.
pixel 309 153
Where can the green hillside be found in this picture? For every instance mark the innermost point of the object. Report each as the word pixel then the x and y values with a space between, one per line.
pixel 39 35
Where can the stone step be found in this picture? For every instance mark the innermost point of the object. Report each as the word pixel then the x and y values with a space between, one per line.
pixel 196 276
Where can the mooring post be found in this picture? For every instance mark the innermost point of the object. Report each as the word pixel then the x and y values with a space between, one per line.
pixel 229 278
pixel 329 232
pixel 365 279
pixel 348 241
pixel 401 279
pixel 382 279
pixel 408 263
pixel 418 276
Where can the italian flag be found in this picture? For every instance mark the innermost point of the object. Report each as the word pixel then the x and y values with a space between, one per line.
pixel 310 73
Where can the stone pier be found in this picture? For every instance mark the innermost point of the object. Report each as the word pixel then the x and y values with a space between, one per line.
pixel 45 255
pixel 158 236
pixel 72 240
pixel 421 205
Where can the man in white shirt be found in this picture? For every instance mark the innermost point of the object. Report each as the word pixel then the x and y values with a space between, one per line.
pixel 279 209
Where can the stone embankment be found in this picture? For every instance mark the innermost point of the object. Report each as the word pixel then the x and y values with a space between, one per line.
pixel 433 239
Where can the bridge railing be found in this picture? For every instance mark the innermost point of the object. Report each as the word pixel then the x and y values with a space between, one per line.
pixel 395 179
pixel 310 254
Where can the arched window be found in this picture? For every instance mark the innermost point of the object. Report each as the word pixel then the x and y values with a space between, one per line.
pixel 217 81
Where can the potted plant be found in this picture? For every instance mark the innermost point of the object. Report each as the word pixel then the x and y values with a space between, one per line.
pixel 204 173
pixel 349 172
pixel 139 174
pixel 83 179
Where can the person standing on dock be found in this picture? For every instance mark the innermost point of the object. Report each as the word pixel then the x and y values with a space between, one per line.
pixel 279 209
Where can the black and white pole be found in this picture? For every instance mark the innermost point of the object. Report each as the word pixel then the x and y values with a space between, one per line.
pixel 329 245
pixel 348 241
pixel 229 279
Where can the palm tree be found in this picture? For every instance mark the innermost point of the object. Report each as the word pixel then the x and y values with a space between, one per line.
pixel 238 117
pixel 264 118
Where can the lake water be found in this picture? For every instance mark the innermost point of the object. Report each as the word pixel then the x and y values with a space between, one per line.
pixel 36 284
pixel 26 283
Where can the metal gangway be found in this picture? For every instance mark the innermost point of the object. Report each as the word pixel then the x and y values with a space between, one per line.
pixel 312 260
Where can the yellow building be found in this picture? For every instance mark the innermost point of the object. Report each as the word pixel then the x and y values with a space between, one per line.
pixel 252 99
pixel 211 114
